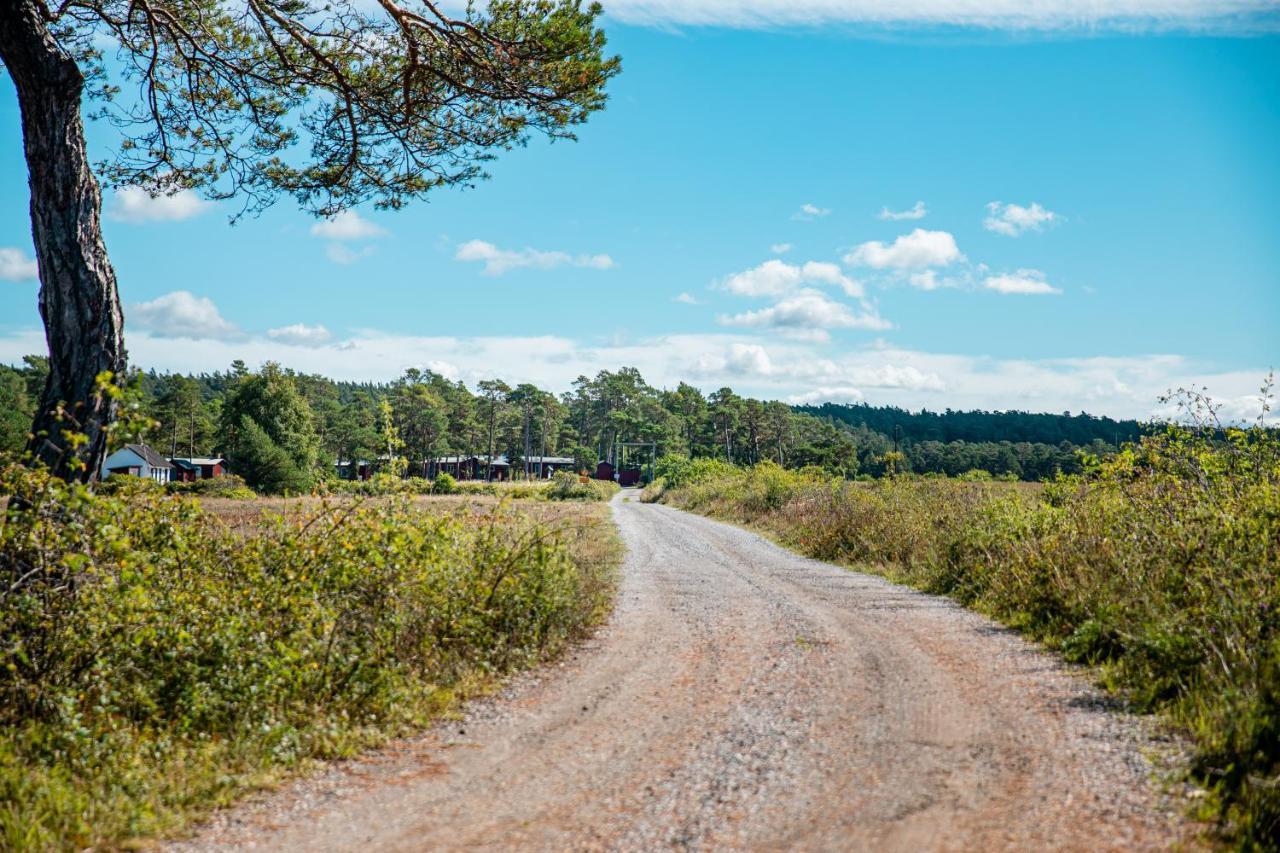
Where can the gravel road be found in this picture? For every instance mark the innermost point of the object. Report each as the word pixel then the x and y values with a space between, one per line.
pixel 745 697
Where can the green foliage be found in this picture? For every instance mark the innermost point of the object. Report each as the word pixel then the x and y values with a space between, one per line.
pixel 267 466
pixel 680 471
pixel 565 486
pixel 16 411
pixel 431 417
pixel 230 486
pixel 153 661
pixel 268 430
pixel 444 484
pixel 1161 564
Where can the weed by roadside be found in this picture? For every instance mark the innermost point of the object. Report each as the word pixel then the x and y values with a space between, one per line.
pixel 155 662
pixel 1161 566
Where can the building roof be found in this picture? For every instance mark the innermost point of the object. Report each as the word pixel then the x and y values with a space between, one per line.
pixel 550 460
pixel 500 459
pixel 198 460
pixel 155 460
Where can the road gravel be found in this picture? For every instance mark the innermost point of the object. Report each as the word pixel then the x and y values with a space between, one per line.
pixel 744 697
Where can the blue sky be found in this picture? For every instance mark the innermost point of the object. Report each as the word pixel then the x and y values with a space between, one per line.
pixel 991 212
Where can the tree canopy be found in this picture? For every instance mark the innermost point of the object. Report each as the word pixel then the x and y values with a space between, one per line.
pixel 334 103
pixel 303 425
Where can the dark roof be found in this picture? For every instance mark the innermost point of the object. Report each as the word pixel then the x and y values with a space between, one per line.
pixel 155 460
pixel 498 461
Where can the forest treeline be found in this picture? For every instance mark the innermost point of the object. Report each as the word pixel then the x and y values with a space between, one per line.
pixel 282 430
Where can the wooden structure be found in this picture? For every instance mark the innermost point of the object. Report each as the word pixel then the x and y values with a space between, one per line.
pixel 544 467
pixel 467 467
pixel 137 460
pixel 188 469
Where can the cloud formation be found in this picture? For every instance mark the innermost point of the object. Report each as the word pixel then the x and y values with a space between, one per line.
pixel 1013 220
pixel 1019 15
pixel 1125 386
pixel 685 298
pixel 811 313
pixel 347 225
pixel 918 250
pixel 134 204
pixel 917 211
pixel 1024 282
pixel 182 314
pixel 775 277
pixel 302 335
pixel 809 211
pixel 498 261
pixel 16 266
pixel 780 248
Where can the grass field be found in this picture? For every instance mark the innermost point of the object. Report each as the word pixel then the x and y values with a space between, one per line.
pixel 159 655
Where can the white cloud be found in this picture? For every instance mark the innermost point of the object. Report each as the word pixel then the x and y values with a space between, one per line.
pixel 134 204
pixel 1013 220
pixel 843 394
pixel 302 335
pixel 1019 15
pixel 810 312
pixel 340 254
pixel 16 266
pixel 685 298
pixel 1119 386
pixel 181 314
pixel 347 225
pixel 1027 282
pixel 918 211
pixel 498 261
pixel 928 280
pixel 810 211
pixel 780 248
pixel 917 250
pixel 748 359
pixel 775 277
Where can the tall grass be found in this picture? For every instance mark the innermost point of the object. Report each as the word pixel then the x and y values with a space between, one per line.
pixel 155 662
pixel 1160 565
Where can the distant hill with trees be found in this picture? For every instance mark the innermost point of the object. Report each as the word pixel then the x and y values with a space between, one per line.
pixel 981 426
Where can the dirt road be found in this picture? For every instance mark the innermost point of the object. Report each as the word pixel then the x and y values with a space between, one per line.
pixel 745 697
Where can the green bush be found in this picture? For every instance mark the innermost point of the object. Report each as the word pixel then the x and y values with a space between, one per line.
pixel 124 484
pixel 227 486
pixel 566 486
pixel 653 492
pixel 444 484
pixel 1161 565
pixel 680 471
pixel 152 662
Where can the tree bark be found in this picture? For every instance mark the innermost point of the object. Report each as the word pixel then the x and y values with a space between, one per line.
pixel 83 322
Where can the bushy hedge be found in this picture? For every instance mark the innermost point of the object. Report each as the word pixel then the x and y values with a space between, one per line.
pixel 1161 565
pixel 563 486
pixel 151 661
pixel 226 486
pixel 566 486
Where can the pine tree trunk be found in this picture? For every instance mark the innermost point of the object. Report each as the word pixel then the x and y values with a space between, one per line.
pixel 83 322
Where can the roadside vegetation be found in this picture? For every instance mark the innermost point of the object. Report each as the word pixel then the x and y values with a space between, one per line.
pixel 161 654
pixel 1159 564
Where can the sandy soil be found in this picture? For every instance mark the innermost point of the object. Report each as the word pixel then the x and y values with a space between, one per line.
pixel 746 697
